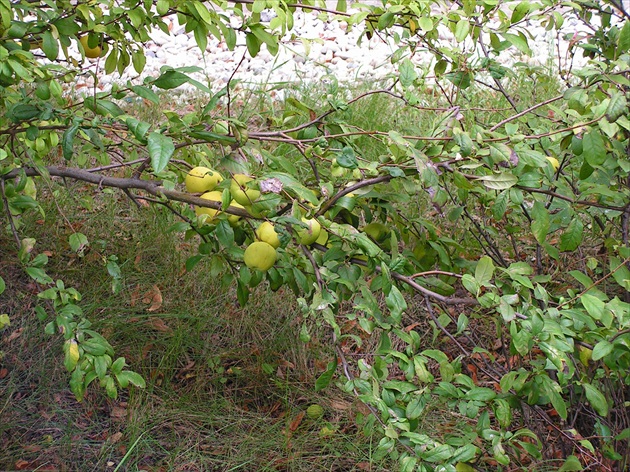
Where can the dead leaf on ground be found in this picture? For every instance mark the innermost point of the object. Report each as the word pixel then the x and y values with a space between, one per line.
pixel 295 424
pixel 21 464
pixel 4 372
pixel 114 438
pixel 158 324
pixel 118 412
pixel 14 335
pixel 135 296
pixel 340 405
pixel 155 298
pixel 32 447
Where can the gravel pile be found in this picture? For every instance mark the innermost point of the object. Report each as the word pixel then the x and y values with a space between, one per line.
pixel 312 50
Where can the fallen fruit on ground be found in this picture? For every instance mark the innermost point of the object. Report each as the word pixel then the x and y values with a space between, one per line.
pixel 314 412
pixel 202 179
pixel 241 192
pixel 267 233
pixel 91 53
pixel 260 255
pixel 309 235
pixel 326 431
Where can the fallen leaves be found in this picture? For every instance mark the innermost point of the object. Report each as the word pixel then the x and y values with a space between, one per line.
pixel 152 297
pixel 14 335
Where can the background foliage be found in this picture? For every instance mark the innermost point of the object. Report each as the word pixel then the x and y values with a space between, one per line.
pixel 504 237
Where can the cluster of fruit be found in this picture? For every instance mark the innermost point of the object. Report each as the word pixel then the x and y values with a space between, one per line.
pixel 260 254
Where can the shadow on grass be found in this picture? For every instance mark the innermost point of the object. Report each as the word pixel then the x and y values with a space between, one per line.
pixel 226 386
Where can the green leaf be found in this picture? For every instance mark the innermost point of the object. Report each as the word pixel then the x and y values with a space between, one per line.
pixel 78 241
pixel 407 73
pixel 464 142
pixel 602 349
pixel 3 285
pixel 396 303
pixel 571 464
pixel 23 112
pixel 482 394
pixel 138 128
pixel 594 149
pixel 438 454
pixel 594 306
pixel 425 25
pixel 324 380
pixel 129 377
pixel 499 181
pixel 145 93
pixel 118 365
pixel 540 222
pixel 242 293
pixel 572 236
pixel 103 107
pixel 519 41
pixel 192 261
pixel 484 270
pixel 596 399
pixel 617 107
pixel 50 46
pixel 620 272
pixel 557 401
pixel 520 11
pixel 624 39
pixel 225 233
pixel 67 141
pixel 461 30
pixel 39 275
pixel 347 158
pixel 253 44
pixel 139 60
pixel 100 366
pixel 415 408
pixel 160 149
pixel 170 79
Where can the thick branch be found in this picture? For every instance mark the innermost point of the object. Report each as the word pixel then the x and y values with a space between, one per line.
pixel 152 187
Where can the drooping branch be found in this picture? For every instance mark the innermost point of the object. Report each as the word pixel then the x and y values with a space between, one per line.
pixel 153 187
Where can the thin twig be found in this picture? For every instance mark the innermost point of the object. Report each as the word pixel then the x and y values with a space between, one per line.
pixel 525 112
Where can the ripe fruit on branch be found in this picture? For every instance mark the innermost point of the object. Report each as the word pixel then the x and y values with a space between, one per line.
pixel 260 255
pixel 241 192
pixel 91 53
pixel 379 232
pixel 202 179
pixel 309 235
pixel 323 237
pixel 214 196
pixel 267 233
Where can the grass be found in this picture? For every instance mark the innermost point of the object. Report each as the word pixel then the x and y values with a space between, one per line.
pixel 226 385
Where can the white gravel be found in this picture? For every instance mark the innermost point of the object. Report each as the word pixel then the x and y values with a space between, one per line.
pixel 312 50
